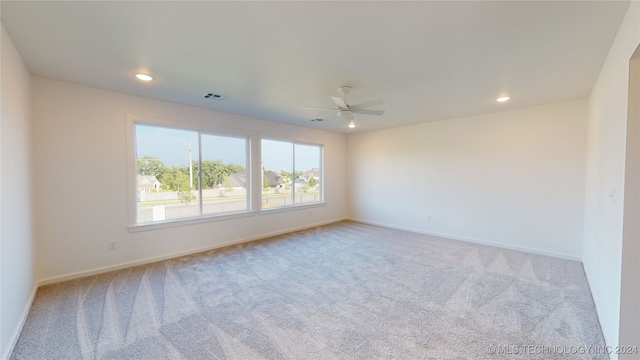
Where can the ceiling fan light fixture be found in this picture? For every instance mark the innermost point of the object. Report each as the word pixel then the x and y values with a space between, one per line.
pixel 503 99
pixel 144 77
pixel 351 125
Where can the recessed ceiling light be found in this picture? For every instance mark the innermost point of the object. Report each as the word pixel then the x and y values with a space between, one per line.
pixel 351 125
pixel 503 99
pixel 144 77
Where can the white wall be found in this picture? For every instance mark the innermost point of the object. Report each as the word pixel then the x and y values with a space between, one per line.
pixel 605 172
pixel 630 284
pixel 514 179
pixel 80 146
pixel 18 278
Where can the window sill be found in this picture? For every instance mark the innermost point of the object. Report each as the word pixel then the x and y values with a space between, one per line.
pixel 201 220
pixel 291 208
pixel 188 221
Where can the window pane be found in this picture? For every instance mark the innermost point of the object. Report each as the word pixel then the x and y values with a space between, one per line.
pixel 167 187
pixel 308 176
pixel 291 173
pixel 277 170
pixel 225 176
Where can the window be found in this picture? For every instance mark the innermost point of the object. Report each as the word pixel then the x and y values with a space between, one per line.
pixel 291 173
pixel 225 174
pixel 188 173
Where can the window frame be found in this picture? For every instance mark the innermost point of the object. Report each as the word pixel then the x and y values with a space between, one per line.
pixel 201 129
pixel 293 142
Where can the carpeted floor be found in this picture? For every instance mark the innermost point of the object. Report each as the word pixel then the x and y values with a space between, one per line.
pixel 343 291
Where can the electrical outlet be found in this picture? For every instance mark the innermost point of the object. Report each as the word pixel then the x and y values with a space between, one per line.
pixel 310 213
pixel 112 245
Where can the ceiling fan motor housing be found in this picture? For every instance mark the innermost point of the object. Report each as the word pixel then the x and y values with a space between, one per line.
pixel 346 114
pixel 344 90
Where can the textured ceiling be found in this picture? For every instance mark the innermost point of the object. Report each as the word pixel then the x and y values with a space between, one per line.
pixel 427 60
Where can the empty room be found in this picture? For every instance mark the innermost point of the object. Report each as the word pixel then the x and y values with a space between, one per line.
pixel 320 180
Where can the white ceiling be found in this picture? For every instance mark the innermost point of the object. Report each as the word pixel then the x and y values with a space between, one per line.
pixel 427 60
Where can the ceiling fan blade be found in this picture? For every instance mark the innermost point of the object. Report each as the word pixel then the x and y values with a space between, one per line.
pixel 341 104
pixel 368 111
pixel 367 104
pixel 317 108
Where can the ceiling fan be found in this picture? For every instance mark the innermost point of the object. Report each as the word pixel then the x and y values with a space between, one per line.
pixel 346 111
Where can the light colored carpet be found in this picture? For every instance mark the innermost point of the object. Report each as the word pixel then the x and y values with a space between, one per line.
pixel 342 291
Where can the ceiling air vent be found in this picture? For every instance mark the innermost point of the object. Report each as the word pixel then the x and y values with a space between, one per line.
pixel 213 96
pixel 318 120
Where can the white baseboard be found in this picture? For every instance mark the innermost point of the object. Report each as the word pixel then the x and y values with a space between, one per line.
pixel 471 240
pixel 105 269
pixel 23 319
